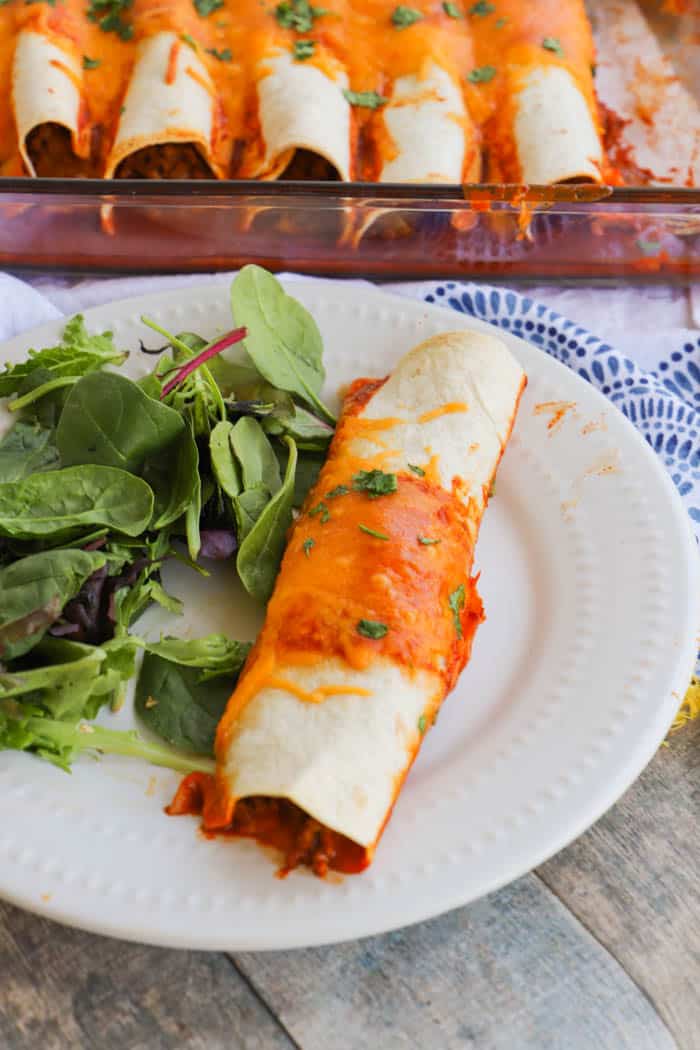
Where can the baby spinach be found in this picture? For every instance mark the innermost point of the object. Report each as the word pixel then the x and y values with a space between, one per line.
pixel 308 431
pixel 215 654
pixel 223 462
pixel 26 449
pixel 174 479
pixel 77 354
pixel 109 420
pixel 259 466
pixel 33 592
pixel 62 683
pixel 260 553
pixel 54 503
pixel 173 703
pixel 283 339
pixel 247 508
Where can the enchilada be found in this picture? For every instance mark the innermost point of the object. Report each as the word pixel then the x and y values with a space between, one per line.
pixel 373 613
pixel 357 89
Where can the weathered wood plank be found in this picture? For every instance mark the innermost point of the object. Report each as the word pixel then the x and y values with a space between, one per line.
pixel 633 881
pixel 64 989
pixel 512 972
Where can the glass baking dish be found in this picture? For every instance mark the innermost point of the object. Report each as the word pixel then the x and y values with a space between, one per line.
pixel 648 78
pixel 553 233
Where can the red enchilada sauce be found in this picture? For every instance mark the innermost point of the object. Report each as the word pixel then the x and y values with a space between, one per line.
pixel 399 559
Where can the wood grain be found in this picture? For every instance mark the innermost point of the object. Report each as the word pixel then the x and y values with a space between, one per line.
pixel 64 989
pixel 514 971
pixel 633 880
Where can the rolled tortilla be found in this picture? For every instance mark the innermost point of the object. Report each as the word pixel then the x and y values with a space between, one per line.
pixel 555 131
pixel 48 105
pixel 167 128
pixel 373 613
pixel 429 129
pixel 302 110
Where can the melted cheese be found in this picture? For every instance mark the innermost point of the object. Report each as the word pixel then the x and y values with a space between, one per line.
pixel 356 42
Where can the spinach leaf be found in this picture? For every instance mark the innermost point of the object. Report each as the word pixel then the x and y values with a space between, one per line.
pixel 223 462
pixel 33 592
pixel 77 354
pixel 192 516
pixel 256 456
pixel 215 654
pixel 247 508
pixel 26 449
pixel 260 553
pixel 54 503
pixel 307 430
pixel 308 469
pixel 109 420
pixel 174 479
pixel 175 705
pixel 283 339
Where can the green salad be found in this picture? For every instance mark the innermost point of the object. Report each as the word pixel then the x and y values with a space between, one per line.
pixel 103 479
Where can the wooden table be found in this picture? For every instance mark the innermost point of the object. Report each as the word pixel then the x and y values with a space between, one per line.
pixel 599 949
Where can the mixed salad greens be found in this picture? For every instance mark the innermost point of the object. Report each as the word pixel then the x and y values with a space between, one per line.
pixel 102 479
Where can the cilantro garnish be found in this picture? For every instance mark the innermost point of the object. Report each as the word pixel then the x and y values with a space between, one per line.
pixel 482 7
pixel 422 724
pixel 321 509
pixel 452 10
pixel 551 43
pixel 303 49
pixel 371 629
pixel 373 532
pixel 365 99
pixel 91 63
pixel 298 15
pixel 221 56
pixel 108 16
pixel 403 17
pixel 339 490
pixel 456 602
pixel 416 470
pixel 375 483
pixel 427 541
pixel 307 545
pixel 207 7
pixel 481 75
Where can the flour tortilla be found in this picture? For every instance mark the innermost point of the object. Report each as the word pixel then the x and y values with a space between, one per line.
pixel 342 761
pixel 158 113
pixel 555 135
pixel 43 92
pixel 301 108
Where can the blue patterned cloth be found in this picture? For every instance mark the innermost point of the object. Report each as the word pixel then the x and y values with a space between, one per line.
pixel 664 403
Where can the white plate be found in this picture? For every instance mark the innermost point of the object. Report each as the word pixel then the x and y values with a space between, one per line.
pixel 589 578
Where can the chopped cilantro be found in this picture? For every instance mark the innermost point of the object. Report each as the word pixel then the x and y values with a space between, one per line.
pixel 416 470
pixel 422 724
pixel 551 43
pixel 481 75
pixel 375 483
pixel 298 15
pixel 492 488
pixel 307 545
pixel 594 69
pixel 371 629
pixel 108 16
pixel 500 22
pixel 482 7
pixel 339 490
pixel 321 509
pixel 365 99
pixel 403 17
pixel 373 532
pixel 456 601
pixel 189 40
pixel 427 541
pixel 207 7
pixel 303 49
pixel 91 63
pixel 221 56
pixel 452 10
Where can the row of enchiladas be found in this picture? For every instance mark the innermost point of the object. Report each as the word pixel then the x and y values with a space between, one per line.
pixel 434 92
